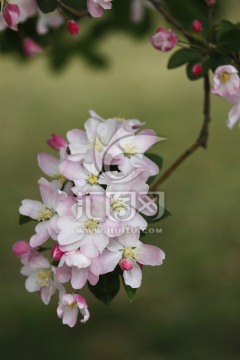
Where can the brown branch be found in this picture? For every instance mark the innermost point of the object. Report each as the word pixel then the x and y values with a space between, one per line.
pixel 201 141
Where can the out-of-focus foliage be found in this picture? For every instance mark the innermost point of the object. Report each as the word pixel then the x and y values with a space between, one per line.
pixel 60 47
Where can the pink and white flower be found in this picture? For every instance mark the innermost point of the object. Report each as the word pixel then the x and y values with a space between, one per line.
pixel 40 277
pixel 226 81
pixel 128 251
pixel 50 165
pixel 69 307
pixel 44 212
pixel 164 40
pixel 96 7
pixel 85 177
pixel 128 152
pixel 48 21
pixel 84 227
pixel 78 268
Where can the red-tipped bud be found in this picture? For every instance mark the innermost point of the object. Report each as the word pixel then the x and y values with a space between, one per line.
pixel 20 248
pixel 125 265
pixel 57 142
pixel 11 14
pixel 56 253
pixel 197 69
pixel 73 27
pixel 197 26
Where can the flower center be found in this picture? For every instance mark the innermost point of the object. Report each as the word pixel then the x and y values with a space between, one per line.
pixel 98 146
pixel 119 118
pixel 91 225
pixel 224 77
pixel 43 278
pixel 92 179
pixel 45 214
pixel 59 177
pixel 129 149
pixel 72 305
pixel 130 253
pixel 118 205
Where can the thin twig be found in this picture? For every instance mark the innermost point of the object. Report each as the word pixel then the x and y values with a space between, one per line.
pixel 201 141
pixel 157 4
pixel 75 13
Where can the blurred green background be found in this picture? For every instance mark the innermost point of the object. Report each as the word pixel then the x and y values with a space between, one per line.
pixel 189 308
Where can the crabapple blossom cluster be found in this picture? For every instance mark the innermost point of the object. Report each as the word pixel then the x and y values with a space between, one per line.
pixel 93 209
pixel 226 83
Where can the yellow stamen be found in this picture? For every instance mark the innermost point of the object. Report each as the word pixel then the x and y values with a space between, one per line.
pixel 91 225
pixel 130 149
pixel 59 177
pixel 129 253
pixel 45 214
pixel 119 118
pixel 72 305
pixel 118 205
pixel 92 179
pixel 43 277
pixel 224 77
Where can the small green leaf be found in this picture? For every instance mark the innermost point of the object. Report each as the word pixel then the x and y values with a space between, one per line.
pixel 24 219
pixel 107 287
pixel 154 219
pixel 223 27
pixel 218 60
pixel 157 160
pixel 129 291
pixel 229 42
pixel 76 4
pixel 182 57
pixel 47 6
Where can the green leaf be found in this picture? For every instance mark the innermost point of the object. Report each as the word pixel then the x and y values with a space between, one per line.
pixel 106 288
pixel 218 60
pixel 229 42
pixel 47 6
pixel 24 219
pixel 223 27
pixel 182 57
pixel 154 220
pixel 129 291
pixel 76 4
pixel 157 160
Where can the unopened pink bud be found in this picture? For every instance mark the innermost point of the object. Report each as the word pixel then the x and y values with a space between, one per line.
pixel 73 27
pixel 164 40
pixel 197 26
pixel 197 69
pixel 57 142
pixel 20 248
pixel 30 47
pixel 56 253
pixel 125 265
pixel 11 15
